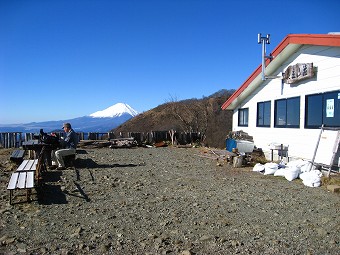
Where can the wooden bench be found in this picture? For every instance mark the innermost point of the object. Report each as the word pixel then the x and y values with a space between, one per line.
pixel 17 156
pixel 23 178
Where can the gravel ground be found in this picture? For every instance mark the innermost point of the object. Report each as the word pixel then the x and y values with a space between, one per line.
pixel 166 201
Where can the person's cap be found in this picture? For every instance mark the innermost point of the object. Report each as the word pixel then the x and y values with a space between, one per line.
pixel 67 125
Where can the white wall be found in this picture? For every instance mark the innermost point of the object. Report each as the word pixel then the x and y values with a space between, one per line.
pixel 301 141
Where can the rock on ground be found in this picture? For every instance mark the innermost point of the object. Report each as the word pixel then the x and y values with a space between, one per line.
pixel 167 201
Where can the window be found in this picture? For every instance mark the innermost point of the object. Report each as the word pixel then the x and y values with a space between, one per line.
pixel 324 109
pixel 313 111
pixel 263 114
pixel 243 117
pixel 287 113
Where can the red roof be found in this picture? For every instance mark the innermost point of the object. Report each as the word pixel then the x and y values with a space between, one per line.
pixel 310 39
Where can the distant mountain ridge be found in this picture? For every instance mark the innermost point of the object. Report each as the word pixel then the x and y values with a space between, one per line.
pixel 116 110
pixel 100 121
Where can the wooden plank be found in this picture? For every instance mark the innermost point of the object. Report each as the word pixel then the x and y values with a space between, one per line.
pixel 13 181
pixel 21 180
pixel 17 154
pixel 34 166
pixel 22 165
pixel 29 165
pixel 14 154
pixel 21 154
pixel 30 180
pixel 30 142
pixel 122 139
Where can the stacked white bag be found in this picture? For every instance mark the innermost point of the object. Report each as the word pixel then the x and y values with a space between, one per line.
pixel 258 167
pixel 270 168
pixel 312 178
pixel 291 171
pixel 280 172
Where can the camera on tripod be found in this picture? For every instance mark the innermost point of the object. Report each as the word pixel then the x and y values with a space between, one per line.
pixel 52 139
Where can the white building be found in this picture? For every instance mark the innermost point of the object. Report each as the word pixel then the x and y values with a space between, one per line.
pixel 291 108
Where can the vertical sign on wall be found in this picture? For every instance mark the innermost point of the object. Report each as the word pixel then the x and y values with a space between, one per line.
pixel 330 108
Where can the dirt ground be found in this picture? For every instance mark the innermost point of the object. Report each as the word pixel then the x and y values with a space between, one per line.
pixel 165 201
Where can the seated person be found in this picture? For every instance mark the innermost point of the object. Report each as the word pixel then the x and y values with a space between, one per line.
pixel 68 147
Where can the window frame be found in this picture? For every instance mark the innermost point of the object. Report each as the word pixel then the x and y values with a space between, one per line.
pixel 288 112
pixel 243 121
pixel 324 96
pixel 263 124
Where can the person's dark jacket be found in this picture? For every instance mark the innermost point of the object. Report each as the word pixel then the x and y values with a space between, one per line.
pixel 71 140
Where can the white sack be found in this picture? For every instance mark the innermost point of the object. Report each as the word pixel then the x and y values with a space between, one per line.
pixel 270 168
pixel 312 178
pixel 297 163
pixel 280 172
pixel 292 173
pixel 306 167
pixel 258 167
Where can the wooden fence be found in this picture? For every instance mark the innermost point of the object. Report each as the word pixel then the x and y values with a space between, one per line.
pixel 11 139
pixel 15 139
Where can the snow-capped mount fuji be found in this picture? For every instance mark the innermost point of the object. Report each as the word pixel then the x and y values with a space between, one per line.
pixel 116 110
pixel 100 121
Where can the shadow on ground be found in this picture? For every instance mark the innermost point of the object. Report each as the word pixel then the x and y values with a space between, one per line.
pixel 49 191
pixel 89 163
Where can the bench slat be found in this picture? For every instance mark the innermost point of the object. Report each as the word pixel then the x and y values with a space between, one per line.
pixel 28 165
pixel 21 180
pixel 13 181
pixel 30 180
pixel 34 167
pixel 22 165
pixel 21 153
pixel 17 154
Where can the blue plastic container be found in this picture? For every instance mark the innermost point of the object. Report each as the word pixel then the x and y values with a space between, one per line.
pixel 230 144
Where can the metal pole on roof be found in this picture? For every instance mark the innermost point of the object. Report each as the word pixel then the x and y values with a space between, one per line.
pixel 263 59
pixel 264 40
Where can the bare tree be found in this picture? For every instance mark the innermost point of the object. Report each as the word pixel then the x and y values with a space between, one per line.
pixel 192 114
pixel 172 135
pixel 181 112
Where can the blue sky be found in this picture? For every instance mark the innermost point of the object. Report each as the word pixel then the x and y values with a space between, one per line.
pixel 63 59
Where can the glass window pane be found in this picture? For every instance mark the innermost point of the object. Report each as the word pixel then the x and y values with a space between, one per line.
pixel 240 117
pixel 280 116
pixel 323 109
pixel 293 112
pixel 243 117
pixel 263 114
pixel 266 114
pixel 314 111
pixel 331 109
pixel 260 117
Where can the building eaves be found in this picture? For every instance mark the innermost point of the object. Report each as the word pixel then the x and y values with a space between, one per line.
pixel 282 51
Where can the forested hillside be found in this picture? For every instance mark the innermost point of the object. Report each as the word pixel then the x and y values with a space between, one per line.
pixel 192 115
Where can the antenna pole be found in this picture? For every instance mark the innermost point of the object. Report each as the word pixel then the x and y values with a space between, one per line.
pixel 263 59
pixel 264 40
